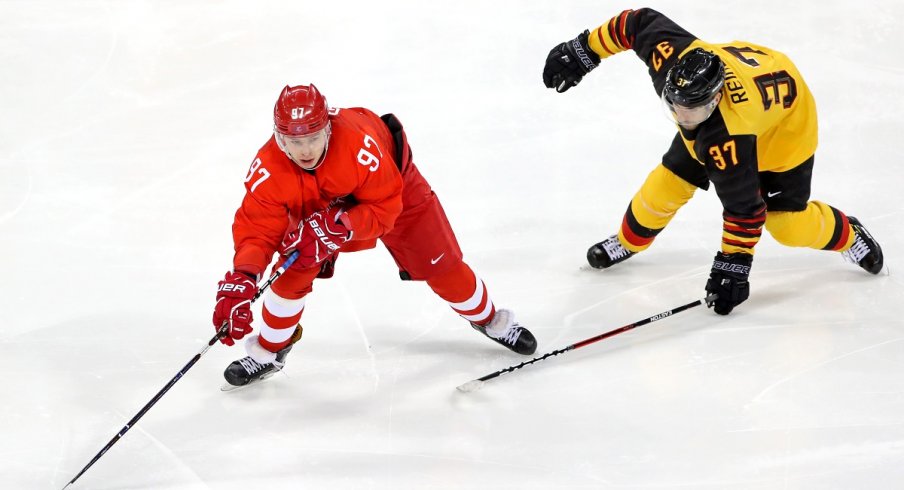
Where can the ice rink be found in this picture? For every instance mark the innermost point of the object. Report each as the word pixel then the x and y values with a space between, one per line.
pixel 127 131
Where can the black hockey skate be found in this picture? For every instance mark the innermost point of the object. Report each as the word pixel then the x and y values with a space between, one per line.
pixel 865 251
pixel 505 331
pixel 246 370
pixel 607 253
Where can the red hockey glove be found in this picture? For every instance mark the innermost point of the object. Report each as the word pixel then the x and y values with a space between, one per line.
pixel 234 295
pixel 317 238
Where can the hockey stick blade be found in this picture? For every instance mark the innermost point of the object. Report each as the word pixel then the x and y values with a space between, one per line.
pixel 471 386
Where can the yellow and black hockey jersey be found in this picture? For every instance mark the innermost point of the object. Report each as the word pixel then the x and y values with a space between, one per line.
pixel 765 121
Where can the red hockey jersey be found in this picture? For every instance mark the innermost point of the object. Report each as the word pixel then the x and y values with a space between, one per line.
pixel 358 166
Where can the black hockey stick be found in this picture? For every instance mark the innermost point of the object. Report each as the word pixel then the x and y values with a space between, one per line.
pixel 220 334
pixel 478 383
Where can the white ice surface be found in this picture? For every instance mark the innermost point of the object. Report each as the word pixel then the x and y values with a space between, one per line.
pixel 126 131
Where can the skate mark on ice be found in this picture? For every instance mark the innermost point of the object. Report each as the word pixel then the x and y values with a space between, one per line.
pixel 356 318
pixel 569 320
pixel 175 460
pixel 759 397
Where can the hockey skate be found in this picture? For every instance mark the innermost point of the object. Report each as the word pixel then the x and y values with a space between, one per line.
pixel 607 253
pixel 247 371
pixel 504 330
pixel 865 251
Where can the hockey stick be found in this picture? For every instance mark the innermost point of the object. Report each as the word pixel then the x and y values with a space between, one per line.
pixel 478 383
pixel 220 334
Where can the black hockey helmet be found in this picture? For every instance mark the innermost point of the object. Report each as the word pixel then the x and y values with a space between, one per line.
pixel 695 79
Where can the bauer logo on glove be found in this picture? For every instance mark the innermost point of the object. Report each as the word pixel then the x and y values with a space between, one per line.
pixel 322 235
pixel 317 238
pixel 225 287
pixel 728 281
pixel 729 267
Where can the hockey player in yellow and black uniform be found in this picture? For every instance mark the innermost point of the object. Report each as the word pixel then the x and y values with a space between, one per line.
pixel 746 122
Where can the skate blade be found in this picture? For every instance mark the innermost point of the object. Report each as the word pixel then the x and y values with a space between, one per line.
pixel 229 387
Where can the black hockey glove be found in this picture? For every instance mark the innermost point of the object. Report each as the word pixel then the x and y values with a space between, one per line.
pixel 728 279
pixel 568 62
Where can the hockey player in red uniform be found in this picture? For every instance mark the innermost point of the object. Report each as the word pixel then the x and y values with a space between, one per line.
pixel 746 122
pixel 331 181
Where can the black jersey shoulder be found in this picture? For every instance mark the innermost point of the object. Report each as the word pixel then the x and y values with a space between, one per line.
pixel 658 41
